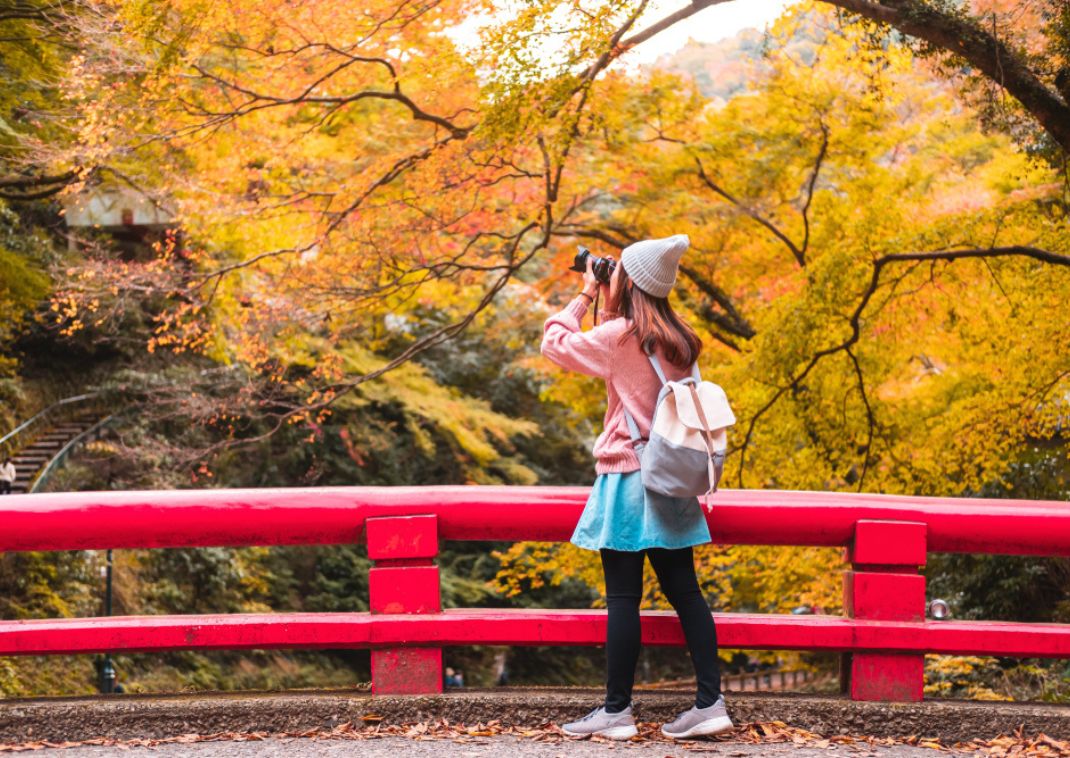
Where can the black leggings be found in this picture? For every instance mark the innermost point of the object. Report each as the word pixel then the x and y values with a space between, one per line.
pixel 675 570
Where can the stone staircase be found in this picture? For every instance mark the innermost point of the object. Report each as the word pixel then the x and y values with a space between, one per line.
pixel 42 447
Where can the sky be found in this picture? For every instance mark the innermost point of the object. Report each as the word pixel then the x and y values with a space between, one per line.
pixel 715 23
pixel 710 25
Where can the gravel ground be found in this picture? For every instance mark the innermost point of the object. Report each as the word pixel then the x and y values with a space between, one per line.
pixel 490 747
pixel 165 716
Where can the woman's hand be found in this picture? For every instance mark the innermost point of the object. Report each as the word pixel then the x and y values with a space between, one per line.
pixel 612 291
pixel 590 283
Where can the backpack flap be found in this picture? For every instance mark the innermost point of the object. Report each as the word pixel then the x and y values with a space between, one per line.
pixel 714 405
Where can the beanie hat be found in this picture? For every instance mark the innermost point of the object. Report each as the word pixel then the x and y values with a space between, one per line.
pixel 652 264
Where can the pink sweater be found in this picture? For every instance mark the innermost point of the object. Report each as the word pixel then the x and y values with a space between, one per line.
pixel 630 379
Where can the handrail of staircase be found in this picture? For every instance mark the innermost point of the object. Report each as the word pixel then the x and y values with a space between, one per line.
pixel 57 460
pixel 42 413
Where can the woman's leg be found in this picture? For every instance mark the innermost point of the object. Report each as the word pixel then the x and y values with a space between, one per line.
pixel 624 589
pixel 676 574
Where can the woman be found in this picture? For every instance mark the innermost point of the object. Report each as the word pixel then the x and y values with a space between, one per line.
pixel 622 520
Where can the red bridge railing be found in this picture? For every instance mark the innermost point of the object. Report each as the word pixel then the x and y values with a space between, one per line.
pixel 884 634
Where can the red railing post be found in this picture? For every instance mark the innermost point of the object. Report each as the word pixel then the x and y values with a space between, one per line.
pixel 884 584
pixel 404 580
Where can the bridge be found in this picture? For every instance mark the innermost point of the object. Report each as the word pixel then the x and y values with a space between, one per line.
pixel 883 635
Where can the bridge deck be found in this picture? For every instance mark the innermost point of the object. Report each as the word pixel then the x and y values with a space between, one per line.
pixel 162 716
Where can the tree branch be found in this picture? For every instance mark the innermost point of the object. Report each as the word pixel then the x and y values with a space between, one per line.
pixel 665 23
pixel 259 100
pixel 980 48
pixel 798 254
pixel 732 321
pixel 25 187
pixel 870 419
pixel 821 153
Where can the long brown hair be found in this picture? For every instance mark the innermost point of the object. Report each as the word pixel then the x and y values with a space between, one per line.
pixel 654 323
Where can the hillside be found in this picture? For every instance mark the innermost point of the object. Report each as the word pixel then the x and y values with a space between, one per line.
pixel 724 68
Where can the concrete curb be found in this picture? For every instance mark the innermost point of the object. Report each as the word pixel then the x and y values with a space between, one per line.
pixel 155 716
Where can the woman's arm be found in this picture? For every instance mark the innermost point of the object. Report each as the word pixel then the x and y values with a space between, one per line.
pixel 565 343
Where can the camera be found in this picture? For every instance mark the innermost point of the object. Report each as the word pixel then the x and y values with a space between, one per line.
pixel 602 268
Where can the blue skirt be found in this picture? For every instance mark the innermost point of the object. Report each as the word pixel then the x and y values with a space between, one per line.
pixel 621 514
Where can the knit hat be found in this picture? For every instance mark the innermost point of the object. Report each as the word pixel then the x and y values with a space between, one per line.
pixel 652 264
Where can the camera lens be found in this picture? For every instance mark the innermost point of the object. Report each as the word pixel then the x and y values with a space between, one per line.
pixel 603 269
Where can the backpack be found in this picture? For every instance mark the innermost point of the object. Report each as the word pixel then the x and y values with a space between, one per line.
pixel 684 456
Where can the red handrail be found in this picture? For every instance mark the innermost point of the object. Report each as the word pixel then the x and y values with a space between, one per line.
pixel 336 515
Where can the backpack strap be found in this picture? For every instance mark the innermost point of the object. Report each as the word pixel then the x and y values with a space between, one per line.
pixel 707 439
pixel 633 428
pixel 661 374
pixel 657 368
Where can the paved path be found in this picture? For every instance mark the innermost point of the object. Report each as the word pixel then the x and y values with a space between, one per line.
pixel 489 747
pixel 162 716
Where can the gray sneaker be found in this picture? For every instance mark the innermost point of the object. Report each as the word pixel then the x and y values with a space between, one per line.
pixel 613 726
pixel 699 722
